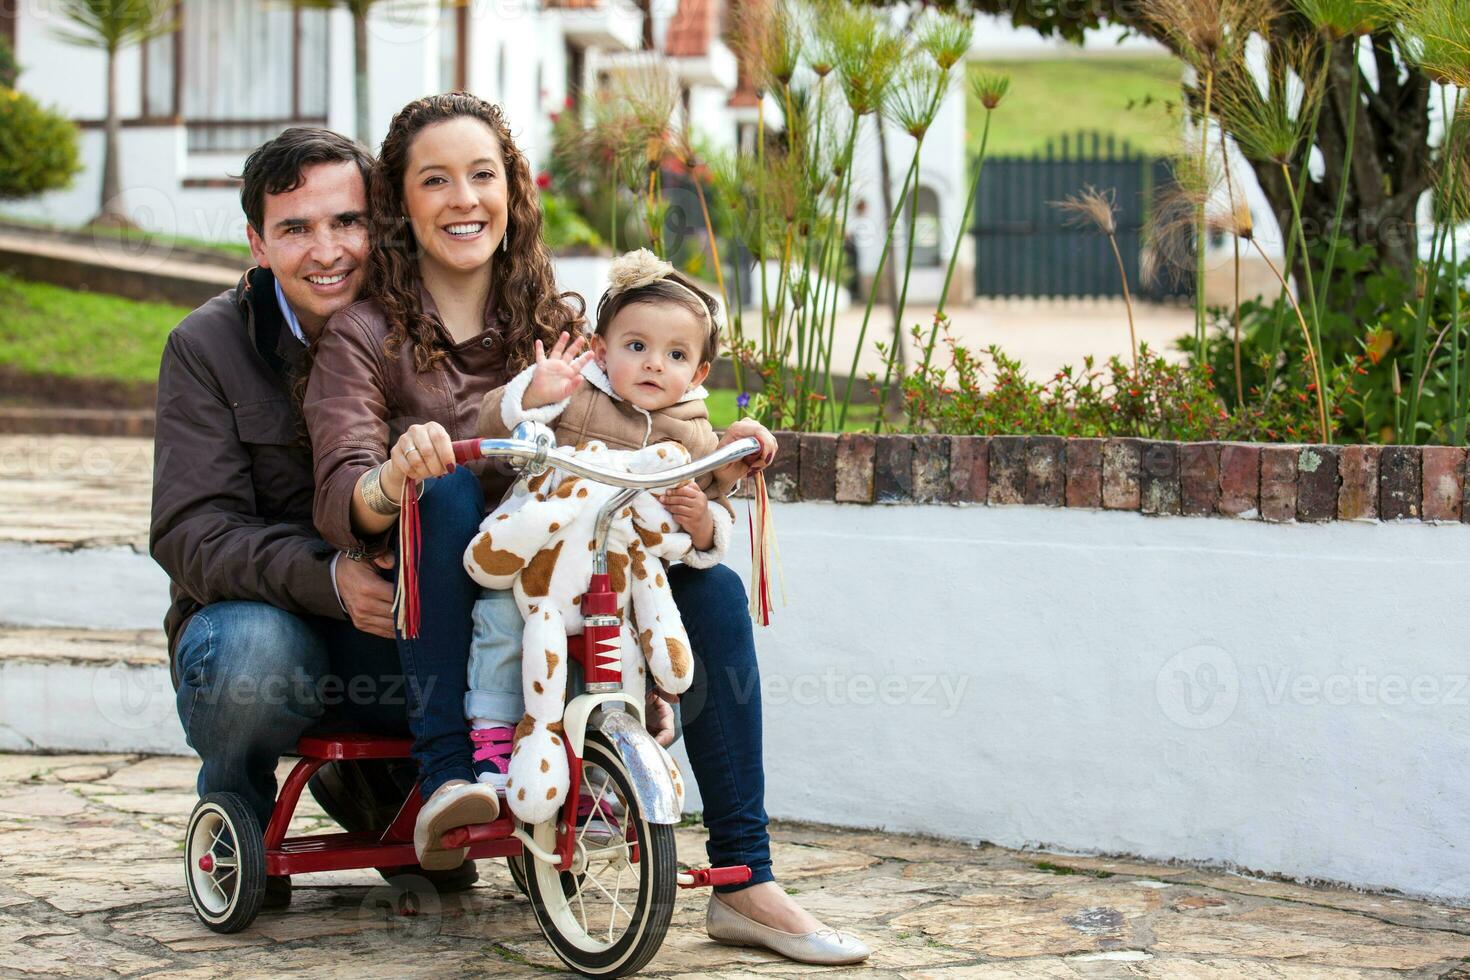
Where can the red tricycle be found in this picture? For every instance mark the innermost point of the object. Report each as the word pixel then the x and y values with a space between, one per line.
pixel 601 877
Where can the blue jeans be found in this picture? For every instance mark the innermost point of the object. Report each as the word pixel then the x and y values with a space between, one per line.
pixel 253 679
pixel 721 711
pixel 495 659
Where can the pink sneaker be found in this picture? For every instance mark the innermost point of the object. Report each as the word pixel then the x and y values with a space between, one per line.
pixel 492 754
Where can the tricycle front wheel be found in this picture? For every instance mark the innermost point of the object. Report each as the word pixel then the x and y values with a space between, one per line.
pixel 608 915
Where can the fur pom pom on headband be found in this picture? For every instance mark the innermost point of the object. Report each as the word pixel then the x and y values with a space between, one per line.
pixel 639 268
pixel 636 269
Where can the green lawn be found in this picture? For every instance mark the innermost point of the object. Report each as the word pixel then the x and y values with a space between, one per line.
pixel 67 333
pixel 49 330
pixel 1126 96
pixel 723 411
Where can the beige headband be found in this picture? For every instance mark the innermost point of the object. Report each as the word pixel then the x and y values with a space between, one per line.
pixel 640 268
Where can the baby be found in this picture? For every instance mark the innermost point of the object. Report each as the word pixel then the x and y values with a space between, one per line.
pixel 640 383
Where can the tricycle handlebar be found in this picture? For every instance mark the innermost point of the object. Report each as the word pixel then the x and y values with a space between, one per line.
pixel 533 448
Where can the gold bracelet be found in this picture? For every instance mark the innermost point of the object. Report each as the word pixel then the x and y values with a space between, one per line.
pixel 375 496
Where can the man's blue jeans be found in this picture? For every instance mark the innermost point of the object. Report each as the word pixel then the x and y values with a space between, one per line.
pixel 253 679
pixel 721 712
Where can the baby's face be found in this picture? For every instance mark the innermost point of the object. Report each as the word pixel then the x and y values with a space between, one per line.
pixel 651 353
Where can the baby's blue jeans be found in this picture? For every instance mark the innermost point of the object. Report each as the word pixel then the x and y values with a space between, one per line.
pixel 495 659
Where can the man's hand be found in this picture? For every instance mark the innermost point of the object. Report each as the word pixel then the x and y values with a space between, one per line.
pixel 690 508
pixel 367 595
pixel 739 430
pixel 659 716
pixel 557 374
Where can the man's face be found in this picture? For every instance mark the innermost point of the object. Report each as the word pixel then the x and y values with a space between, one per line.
pixel 314 239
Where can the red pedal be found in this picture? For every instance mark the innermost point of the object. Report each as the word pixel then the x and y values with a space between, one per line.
pixel 700 877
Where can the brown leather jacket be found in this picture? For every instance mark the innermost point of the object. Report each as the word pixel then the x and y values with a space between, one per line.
pixel 361 398
pixel 232 482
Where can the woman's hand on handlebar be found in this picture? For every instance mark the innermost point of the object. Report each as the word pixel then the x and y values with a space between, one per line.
pixel 741 429
pixel 422 452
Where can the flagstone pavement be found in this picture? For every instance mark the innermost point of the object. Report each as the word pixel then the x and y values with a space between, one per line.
pixel 91 885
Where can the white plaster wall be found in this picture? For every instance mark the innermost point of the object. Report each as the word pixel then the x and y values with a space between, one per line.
pixel 67 76
pixel 152 164
pixel 942 167
pixel 403 55
pixel 709 110
pixel 1288 699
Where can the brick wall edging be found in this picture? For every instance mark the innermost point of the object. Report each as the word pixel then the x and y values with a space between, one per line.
pixel 1251 481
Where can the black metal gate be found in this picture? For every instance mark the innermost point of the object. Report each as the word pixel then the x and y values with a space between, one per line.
pixel 1023 243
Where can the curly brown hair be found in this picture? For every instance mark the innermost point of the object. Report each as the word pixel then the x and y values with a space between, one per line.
pixel 523 288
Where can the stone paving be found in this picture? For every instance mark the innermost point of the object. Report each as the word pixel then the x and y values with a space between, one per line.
pixel 91 884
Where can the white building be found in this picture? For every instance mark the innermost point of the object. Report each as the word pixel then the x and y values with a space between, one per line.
pixel 194 103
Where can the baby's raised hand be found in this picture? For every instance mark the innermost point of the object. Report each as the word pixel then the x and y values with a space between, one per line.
pixel 558 374
pixel 690 508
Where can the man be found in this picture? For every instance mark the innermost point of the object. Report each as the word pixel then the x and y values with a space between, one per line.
pixel 271 631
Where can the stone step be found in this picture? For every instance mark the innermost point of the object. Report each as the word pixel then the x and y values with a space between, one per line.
pixel 79 690
pixel 16 420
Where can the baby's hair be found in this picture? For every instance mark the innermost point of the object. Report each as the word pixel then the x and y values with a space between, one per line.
pixel 663 291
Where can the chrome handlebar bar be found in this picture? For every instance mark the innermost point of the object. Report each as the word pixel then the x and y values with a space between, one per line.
pixel 532 448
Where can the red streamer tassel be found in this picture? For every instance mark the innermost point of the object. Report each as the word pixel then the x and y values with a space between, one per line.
pixel 406 599
pixel 763 552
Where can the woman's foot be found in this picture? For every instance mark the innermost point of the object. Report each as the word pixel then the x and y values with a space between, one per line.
pixel 457 803
pixel 768 904
pixel 780 925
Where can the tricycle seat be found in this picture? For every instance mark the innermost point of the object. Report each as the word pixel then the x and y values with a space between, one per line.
pixel 353 745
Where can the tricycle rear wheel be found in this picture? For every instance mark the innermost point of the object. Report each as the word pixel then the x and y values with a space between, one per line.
pixel 224 862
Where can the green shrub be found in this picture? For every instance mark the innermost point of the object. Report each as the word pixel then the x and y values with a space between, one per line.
pixel 9 69
pixel 989 393
pixel 1369 331
pixel 38 147
pixel 562 227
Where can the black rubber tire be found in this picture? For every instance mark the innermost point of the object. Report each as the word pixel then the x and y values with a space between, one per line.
pixel 657 875
pixel 235 906
pixel 516 863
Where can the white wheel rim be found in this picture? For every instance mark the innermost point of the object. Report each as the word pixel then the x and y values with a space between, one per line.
pixel 603 903
pixel 217 889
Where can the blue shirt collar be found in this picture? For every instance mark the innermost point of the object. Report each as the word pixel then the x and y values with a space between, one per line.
pixel 290 315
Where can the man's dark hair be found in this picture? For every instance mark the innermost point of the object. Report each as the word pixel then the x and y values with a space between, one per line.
pixel 278 166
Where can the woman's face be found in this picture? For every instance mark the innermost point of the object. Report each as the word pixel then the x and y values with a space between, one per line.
pixel 456 194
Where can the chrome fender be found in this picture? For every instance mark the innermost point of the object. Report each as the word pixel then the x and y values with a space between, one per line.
pixel 621 722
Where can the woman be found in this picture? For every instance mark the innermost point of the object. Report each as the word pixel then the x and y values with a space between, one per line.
pixel 461 289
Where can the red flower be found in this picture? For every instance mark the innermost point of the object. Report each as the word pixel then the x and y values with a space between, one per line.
pixel 543 181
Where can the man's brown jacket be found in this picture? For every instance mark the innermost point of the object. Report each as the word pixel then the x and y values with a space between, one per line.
pixel 232 484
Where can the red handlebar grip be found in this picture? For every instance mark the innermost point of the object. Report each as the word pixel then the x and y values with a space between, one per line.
pixel 466 450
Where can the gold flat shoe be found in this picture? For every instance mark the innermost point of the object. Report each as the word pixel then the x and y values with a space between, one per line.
pixel 455 804
pixel 824 947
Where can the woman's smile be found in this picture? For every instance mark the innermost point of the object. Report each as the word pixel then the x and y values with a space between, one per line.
pixel 466 231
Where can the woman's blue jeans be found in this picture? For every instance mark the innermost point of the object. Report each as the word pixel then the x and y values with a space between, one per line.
pixel 721 711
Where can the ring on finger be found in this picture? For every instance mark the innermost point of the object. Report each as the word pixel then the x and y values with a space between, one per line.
pixel 411 449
